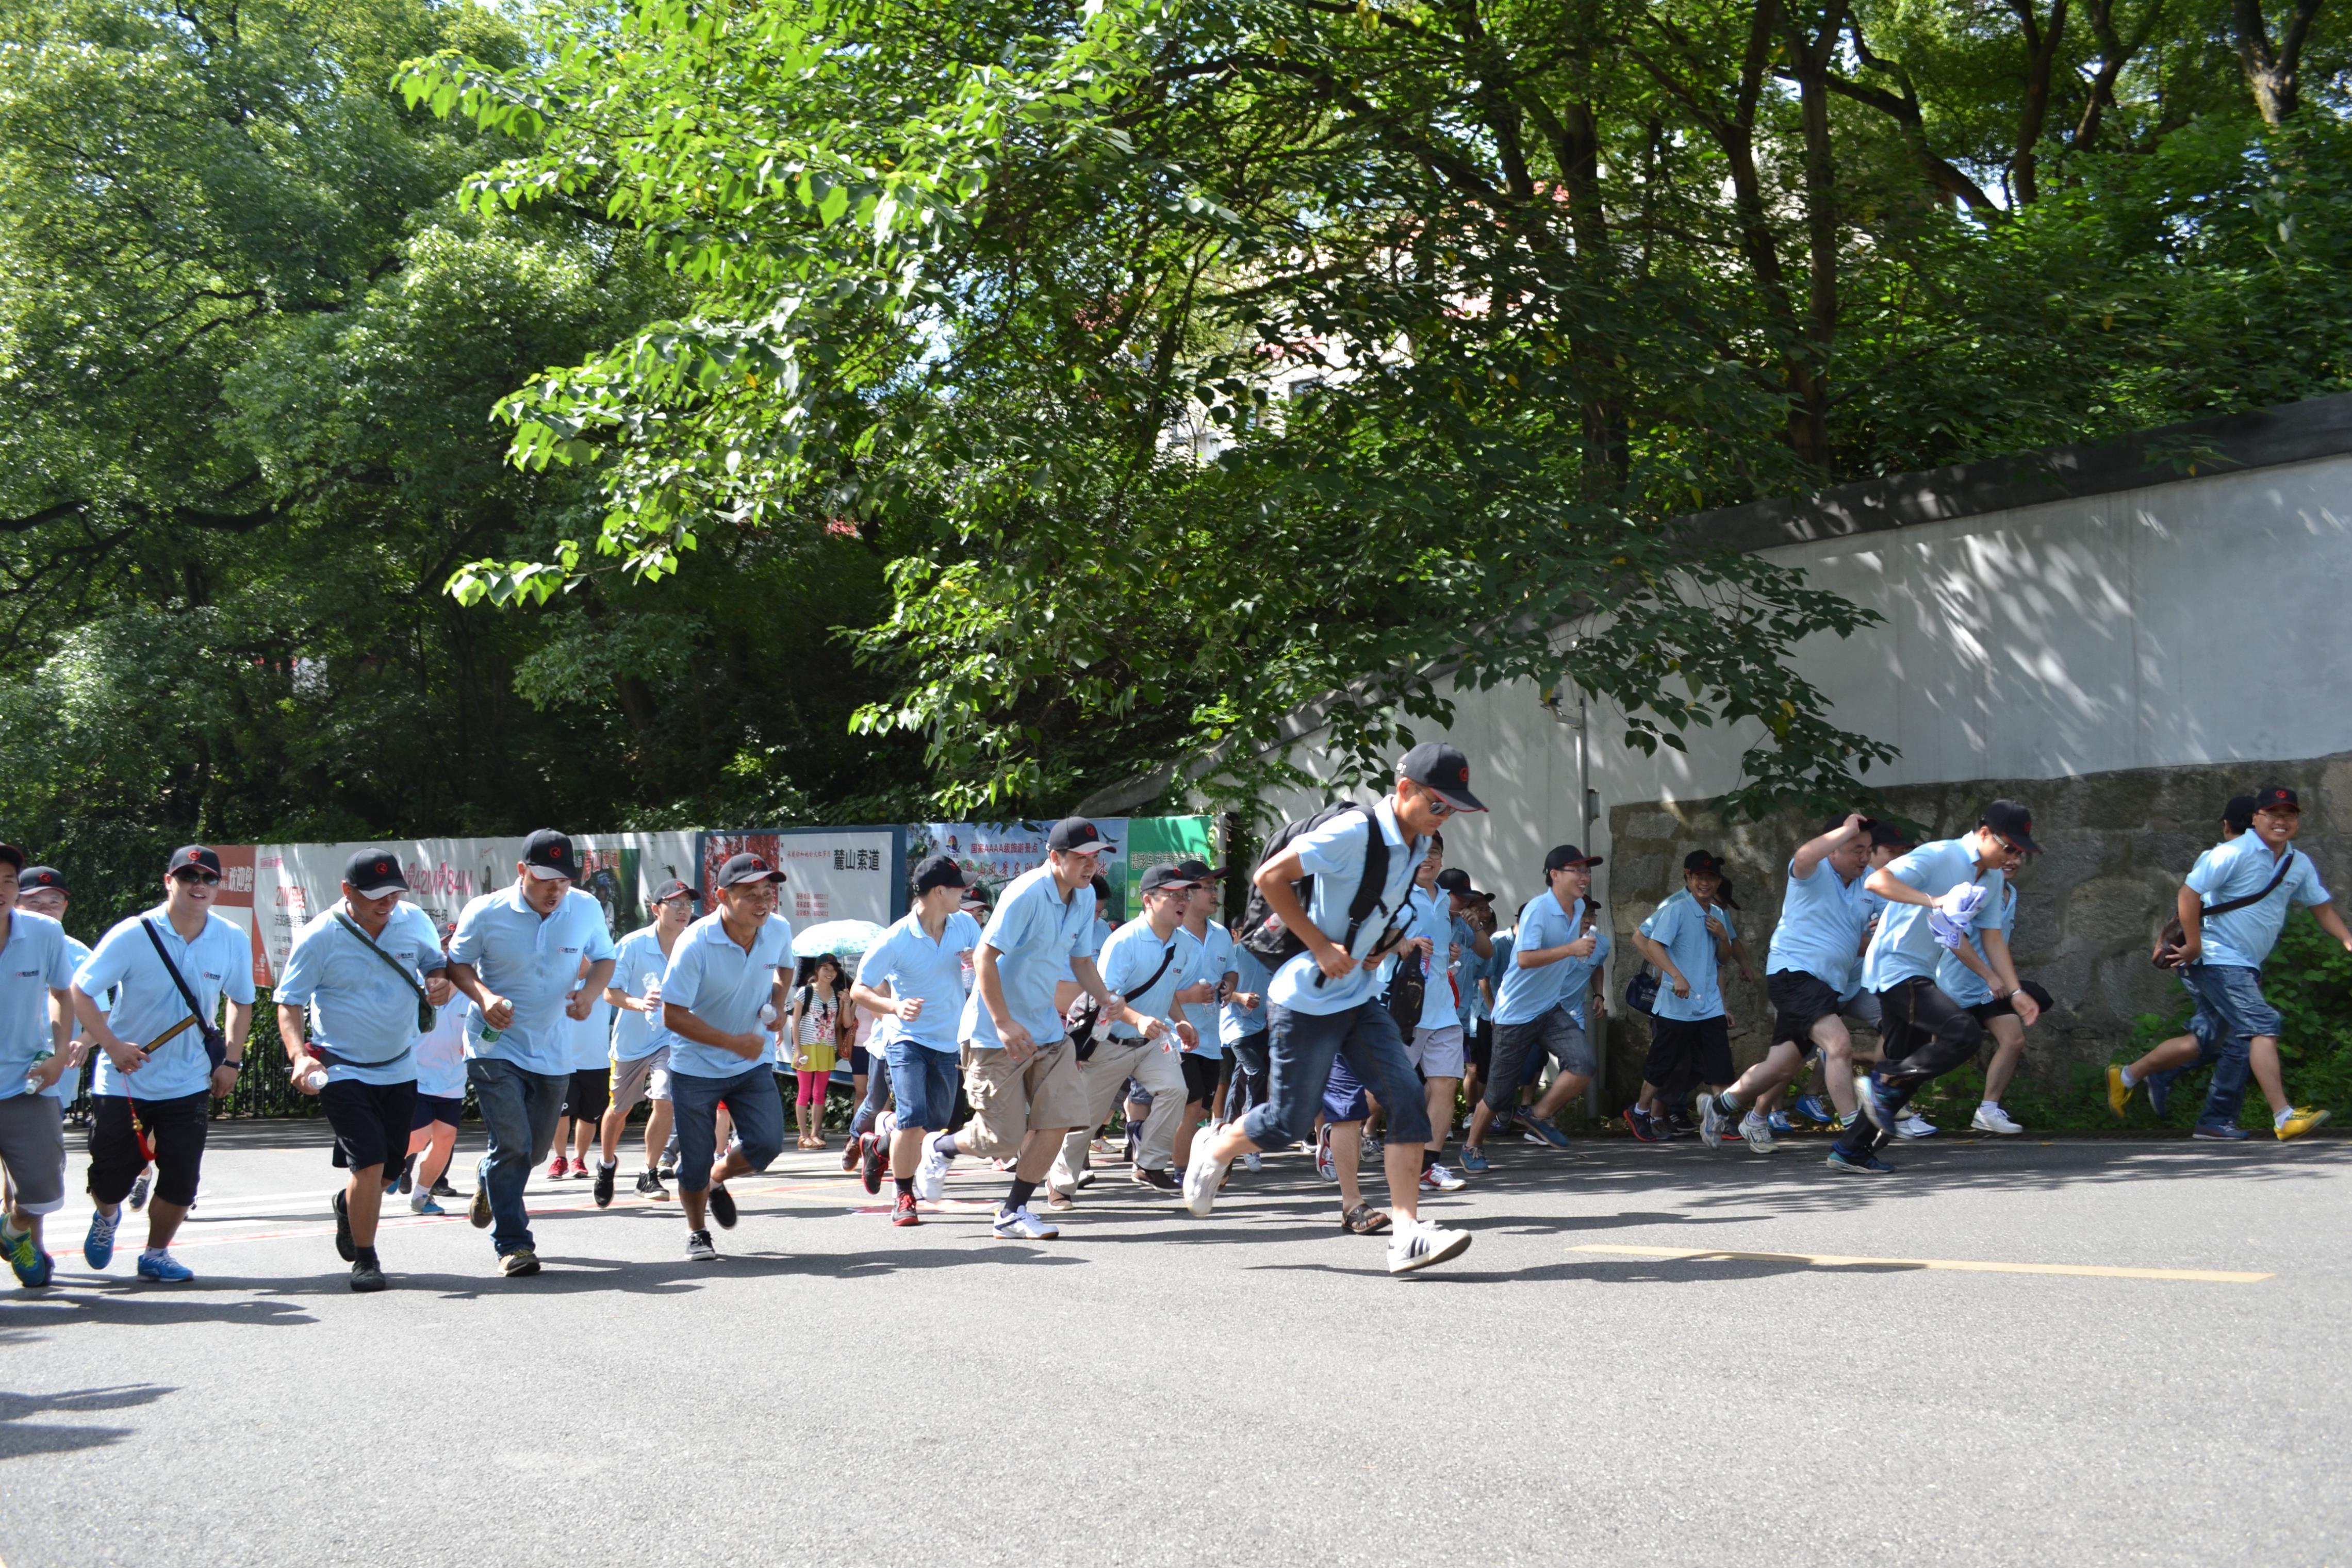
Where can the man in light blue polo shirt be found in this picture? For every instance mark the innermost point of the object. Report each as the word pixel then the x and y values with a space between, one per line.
pixel 1535 1007
pixel 1934 895
pixel 640 1042
pixel 2222 954
pixel 1213 976
pixel 516 956
pixel 915 974
pixel 1019 1069
pixel 1686 939
pixel 727 984
pixel 159 1072
pixel 361 968
pixel 35 1053
pixel 1321 1003
pixel 1436 939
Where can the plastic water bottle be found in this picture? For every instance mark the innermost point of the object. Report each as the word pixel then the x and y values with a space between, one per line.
pixel 315 1079
pixel 767 1015
pixel 32 1075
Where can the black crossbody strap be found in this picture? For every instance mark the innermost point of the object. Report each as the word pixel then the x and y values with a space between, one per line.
pixel 2287 863
pixel 425 1012
pixel 215 1047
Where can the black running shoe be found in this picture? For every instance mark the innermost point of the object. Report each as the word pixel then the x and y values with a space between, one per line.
pixel 649 1185
pixel 722 1208
pixel 876 1160
pixel 605 1172
pixel 367 1277
pixel 344 1249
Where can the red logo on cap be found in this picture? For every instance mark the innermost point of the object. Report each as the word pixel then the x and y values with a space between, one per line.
pixel 759 865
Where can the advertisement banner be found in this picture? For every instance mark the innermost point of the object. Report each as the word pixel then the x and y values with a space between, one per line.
pixel 830 874
pixel 993 853
pixel 1164 841
pixel 293 884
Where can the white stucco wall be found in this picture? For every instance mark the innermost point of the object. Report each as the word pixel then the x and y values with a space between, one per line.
pixel 2200 621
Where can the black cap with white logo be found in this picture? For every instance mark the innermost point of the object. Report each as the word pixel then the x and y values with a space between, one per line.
pixel 372 874
pixel 2012 820
pixel 1444 769
pixel 549 855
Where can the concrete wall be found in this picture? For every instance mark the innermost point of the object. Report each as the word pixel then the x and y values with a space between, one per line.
pixel 2124 659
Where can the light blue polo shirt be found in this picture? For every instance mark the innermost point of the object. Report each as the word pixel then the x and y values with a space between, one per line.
pixel 725 987
pixel 36 961
pixel 1576 987
pixel 360 1010
pixel 1955 979
pixel 637 962
pixel 1130 958
pixel 441 1054
pixel 77 955
pixel 218 962
pixel 1212 955
pixel 1904 947
pixel 1035 933
pixel 1679 925
pixel 591 1037
pixel 908 963
pixel 1526 995
pixel 1333 854
pixel 1820 933
pixel 534 963
pixel 2240 869
pixel 1236 1022
pixel 1102 934
pixel 1433 917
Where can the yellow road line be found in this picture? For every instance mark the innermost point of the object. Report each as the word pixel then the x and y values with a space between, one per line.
pixel 1964 1265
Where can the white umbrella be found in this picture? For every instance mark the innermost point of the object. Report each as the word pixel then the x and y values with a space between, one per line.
pixel 847 939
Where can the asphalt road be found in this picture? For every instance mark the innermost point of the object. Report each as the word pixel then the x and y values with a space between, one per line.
pixel 1154 1389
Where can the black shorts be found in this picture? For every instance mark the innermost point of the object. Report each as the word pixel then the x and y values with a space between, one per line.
pixel 1800 1000
pixel 589 1092
pixel 1691 1051
pixel 371 1122
pixel 1200 1077
pixel 1480 1046
pixel 432 1108
pixel 861 1061
pixel 175 1132
pixel 2001 1007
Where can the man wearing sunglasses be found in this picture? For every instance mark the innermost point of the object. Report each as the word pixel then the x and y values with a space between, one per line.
pixel 155 1078
pixel 1937 897
pixel 1321 1006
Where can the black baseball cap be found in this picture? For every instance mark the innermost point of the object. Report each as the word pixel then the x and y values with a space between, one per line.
pixel 673 888
pixel 33 876
pixel 549 855
pixel 1562 856
pixel 372 874
pixel 1702 859
pixel 14 857
pixel 747 868
pixel 1076 836
pixel 1200 870
pixel 1162 878
pixel 2012 820
pixel 1444 769
pixel 1456 881
pixel 1887 835
pixel 196 855
pixel 2276 798
pixel 2240 812
pixel 937 871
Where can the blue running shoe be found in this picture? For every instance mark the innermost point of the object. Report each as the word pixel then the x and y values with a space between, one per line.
pixel 2220 1132
pixel 164 1269
pixel 31 1263
pixel 1779 1123
pixel 1536 1127
pixel 1868 1165
pixel 1471 1159
pixel 1816 1110
pixel 98 1247
pixel 2159 1091
pixel 1878 1105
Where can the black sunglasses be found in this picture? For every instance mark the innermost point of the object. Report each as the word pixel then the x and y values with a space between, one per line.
pixel 186 873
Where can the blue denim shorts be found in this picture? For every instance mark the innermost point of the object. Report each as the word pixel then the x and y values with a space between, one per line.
pixel 751 1100
pixel 923 1081
pixel 2230 1002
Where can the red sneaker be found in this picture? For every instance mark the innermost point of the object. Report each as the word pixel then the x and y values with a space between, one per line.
pixel 555 1169
pixel 902 1212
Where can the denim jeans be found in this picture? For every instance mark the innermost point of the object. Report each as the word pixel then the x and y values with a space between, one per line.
pixel 518 1113
pixel 1300 1049
pixel 877 1089
pixel 751 1100
pixel 925 1083
pixel 2230 1002
pixel 1248 1088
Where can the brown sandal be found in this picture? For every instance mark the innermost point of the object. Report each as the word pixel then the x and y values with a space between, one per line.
pixel 1364 1220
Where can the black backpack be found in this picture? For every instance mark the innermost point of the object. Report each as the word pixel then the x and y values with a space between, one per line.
pixel 1262 932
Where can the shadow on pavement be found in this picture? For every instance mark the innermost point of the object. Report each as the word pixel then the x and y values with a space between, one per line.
pixel 1644 1271
pixel 19 1440
pixel 63 1307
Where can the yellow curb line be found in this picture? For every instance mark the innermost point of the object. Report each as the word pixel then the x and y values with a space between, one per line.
pixel 1965 1266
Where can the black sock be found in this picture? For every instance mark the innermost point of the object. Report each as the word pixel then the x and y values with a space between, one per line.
pixel 906 1186
pixel 365 1255
pixel 1428 1158
pixel 1018 1197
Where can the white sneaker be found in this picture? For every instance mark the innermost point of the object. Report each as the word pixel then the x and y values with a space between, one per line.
pixel 1369 1148
pixel 1911 1124
pixel 1993 1119
pixel 1438 1178
pixel 1417 1244
pixel 1711 1121
pixel 1758 1131
pixel 1250 1161
pixel 931 1174
pixel 1020 1224
pixel 1202 1177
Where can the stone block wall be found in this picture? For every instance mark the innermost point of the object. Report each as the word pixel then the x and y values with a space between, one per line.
pixel 2115 846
